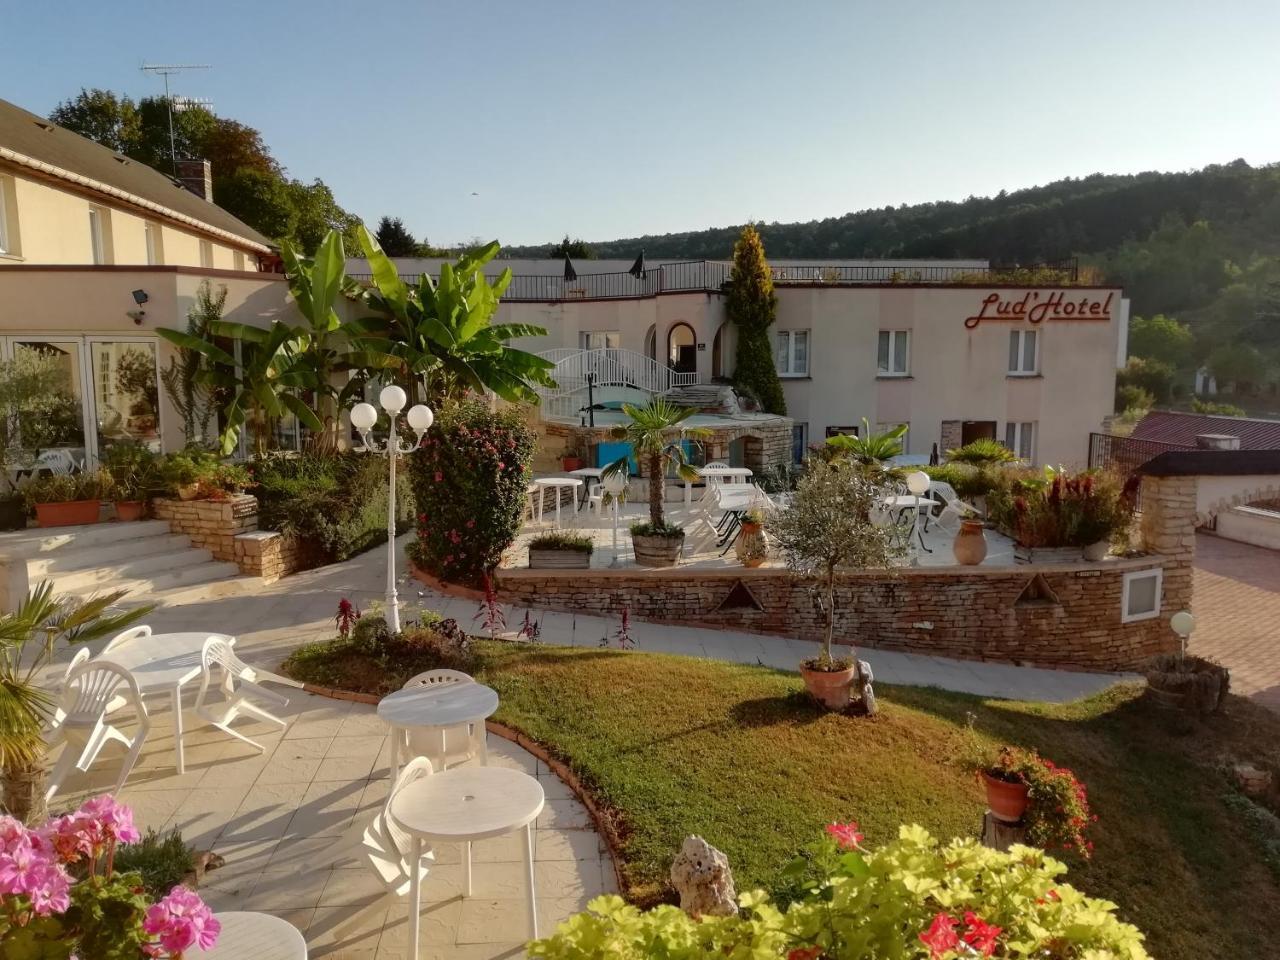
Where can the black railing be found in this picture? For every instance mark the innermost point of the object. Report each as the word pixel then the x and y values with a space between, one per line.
pixel 1126 454
pixel 709 276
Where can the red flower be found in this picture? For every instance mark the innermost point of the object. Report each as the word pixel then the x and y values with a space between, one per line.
pixel 981 936
pixel 501 465
pixel 439 476
pixel 846 834
pixel 805 953
pixel 941 936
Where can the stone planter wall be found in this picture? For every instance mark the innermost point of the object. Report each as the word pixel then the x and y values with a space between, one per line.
pixel 267 554
pixel 229 530
pixel 1061 615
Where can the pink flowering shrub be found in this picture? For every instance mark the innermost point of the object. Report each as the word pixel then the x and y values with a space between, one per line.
pixel 469 479
pixel 60 896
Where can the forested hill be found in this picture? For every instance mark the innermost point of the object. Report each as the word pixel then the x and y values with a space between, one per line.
pixel 1091 215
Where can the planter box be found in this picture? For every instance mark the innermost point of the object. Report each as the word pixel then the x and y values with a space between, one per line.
pixel 68 514
pixel 657 551
pixel 559 559
pixel 1023 554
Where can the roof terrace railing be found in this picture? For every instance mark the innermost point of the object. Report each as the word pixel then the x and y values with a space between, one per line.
pixel 710 276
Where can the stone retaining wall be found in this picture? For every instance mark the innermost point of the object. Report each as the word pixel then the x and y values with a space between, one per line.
pixel 229 530
pixel 1064 615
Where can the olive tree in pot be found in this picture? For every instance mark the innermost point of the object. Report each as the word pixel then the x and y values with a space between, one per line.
pixel 655 433
pixel 30 637
pixel 828 526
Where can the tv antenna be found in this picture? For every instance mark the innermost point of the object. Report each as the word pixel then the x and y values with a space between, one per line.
pixel 167 70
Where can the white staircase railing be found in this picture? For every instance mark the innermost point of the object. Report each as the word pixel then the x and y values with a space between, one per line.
pixel 610 367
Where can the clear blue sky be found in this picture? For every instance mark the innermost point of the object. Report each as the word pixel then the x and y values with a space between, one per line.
pixel 608 119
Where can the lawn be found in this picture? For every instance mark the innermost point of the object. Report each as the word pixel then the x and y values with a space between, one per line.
pixel 674 745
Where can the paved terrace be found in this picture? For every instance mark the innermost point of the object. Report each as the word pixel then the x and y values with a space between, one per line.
pixel 277 818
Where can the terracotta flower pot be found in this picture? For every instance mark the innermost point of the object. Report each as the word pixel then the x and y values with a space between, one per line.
pixel 832 688
pixel 571 463
pixel 751 547
pixel 970 544
pixel 1007 801
pixel 129 510
pixel 68 513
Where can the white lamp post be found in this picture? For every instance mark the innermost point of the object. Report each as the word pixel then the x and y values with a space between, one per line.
pixel 614 484
pixel 363 417
pixel 1182 624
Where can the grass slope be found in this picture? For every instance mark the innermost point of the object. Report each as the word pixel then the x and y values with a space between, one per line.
pixel 674 746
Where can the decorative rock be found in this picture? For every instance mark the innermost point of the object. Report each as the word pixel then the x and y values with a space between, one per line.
pixel 1252 781
pixel 701 874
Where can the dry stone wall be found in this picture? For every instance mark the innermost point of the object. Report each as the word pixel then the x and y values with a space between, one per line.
pixel 229 530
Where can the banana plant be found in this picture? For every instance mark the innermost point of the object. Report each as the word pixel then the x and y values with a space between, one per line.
pixel 442 334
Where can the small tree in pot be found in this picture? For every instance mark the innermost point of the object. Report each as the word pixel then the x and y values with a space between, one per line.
pixel 655 433
pixel 829 525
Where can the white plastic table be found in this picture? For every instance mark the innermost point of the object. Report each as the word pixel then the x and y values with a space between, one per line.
pixel 162 663
pixel 258 935
pixel 729 475
pixel 901 504
pixel 555 483
pixel 436 705
pixel 461 806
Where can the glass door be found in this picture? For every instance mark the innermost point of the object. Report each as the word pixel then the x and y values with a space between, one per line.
pixel 57 419
pixel 126 393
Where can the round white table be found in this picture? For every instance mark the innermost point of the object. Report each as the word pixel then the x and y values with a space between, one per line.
pixel 436 705
pixel 462 806
pixel 555 483
pixel 163 663
pixel 257 935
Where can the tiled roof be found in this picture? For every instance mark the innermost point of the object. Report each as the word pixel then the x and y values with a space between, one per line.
pixel 44 141
pixel 1169 426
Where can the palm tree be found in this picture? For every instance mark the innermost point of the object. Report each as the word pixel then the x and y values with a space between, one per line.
pixel 655 434
pixel 869 449
pixel 442 334
pixel 28 640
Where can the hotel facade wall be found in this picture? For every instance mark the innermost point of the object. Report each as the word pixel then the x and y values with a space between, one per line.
pixel 956 372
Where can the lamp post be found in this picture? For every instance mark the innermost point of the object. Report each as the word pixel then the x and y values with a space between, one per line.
pixel 614 484
pixel 1182 623
pixel 363 417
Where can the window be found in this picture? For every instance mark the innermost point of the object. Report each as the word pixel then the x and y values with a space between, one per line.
pixel 799 441
pixel 893 355
pixel 238 260
pixel 151 233
pixel 97 218
pixel 1140 597
pixel 206 253
pixel 1023 346
pixel 599 339
pixel 1021 439
pixel 793 353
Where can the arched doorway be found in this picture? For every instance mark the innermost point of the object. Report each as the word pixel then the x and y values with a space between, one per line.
pixel 651 342
pixel 721 356
pixel 682 348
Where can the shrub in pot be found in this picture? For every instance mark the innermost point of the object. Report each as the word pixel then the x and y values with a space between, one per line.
pixel 752 546
pixel 1192 684
pixel 134 468
pixel 829 525
pixel 560 550
pixel 1053 515
pixel 68 499
pixel 655 434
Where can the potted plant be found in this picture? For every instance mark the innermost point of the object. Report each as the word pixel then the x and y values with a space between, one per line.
pixel 752 546
pixel 133 469
pixel 1022 786
pixel 560 550
pixel 1054 516
pixel 572 459
pixel 1191 684
pixel 829 525
pixel 655 433
pixel 867 448
pixel 67 499
pixel 29 639
pixel 988 459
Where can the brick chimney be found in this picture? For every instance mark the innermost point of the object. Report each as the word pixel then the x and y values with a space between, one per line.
pixel 197 176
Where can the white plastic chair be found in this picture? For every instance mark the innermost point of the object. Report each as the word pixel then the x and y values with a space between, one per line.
pixel 445 746
pixel 385 847
pixel 87 696
pixel 238 683
pixel 595 499
pixel 954 509
pixel 133 633
pixel 57 460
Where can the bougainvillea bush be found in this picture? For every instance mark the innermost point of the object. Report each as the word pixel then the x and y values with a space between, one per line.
pixel 469 482
pixel 913 899
pixel 60 895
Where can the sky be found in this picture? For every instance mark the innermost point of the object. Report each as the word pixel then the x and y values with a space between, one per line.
pixel 524 121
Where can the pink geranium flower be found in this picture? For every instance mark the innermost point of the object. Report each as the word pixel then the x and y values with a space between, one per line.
pixel 846 834
pixel 180 921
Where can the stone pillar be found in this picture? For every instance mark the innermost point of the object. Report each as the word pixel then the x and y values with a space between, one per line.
pixel 1168 528
pixel 950 435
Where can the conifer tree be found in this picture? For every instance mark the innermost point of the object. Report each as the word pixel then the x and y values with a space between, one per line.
pixel 752 305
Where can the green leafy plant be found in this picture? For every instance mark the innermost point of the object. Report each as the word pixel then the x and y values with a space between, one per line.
pixel 982 453
pixel 655 433
pixel 184 378
pixel 1132 397
pixel 37 409
pixel 914 898
pixel 162 860
pixel 69 487
pixel 1216 407
pixel 752 305
pixel 1055 508
pixel 29 638
pixel 134 468
pixel 967 481
pixel 868 449
pixel 830 524
pixel 469 484
pixel 562 540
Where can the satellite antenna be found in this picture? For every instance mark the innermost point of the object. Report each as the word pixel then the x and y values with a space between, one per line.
pixel 166 70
